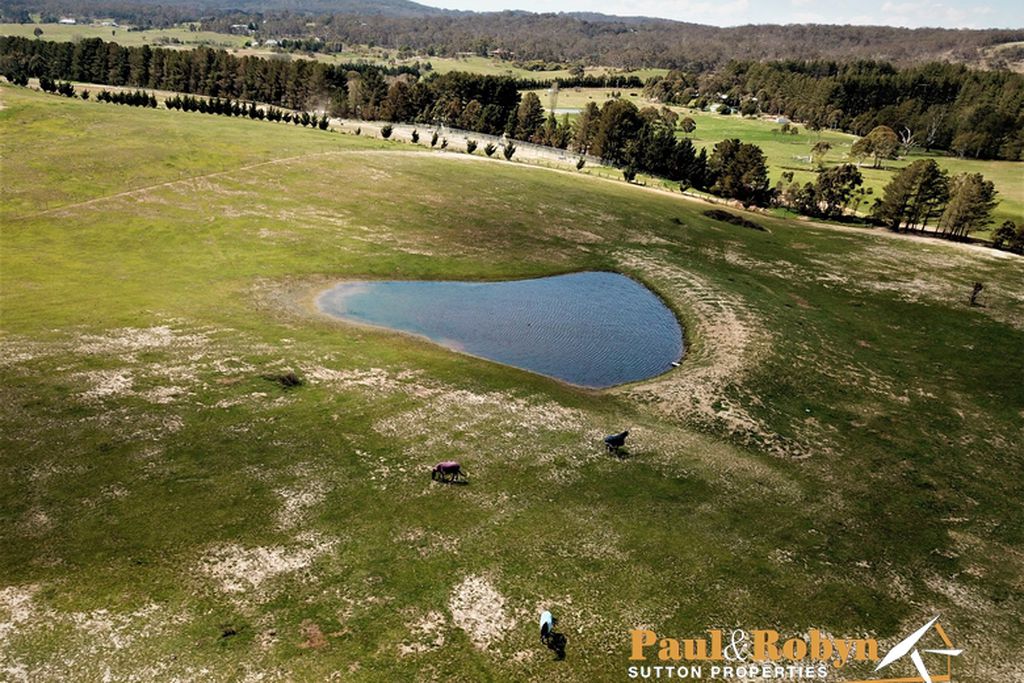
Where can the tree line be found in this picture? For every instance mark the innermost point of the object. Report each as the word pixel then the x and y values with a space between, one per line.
pixel 973 113
pixel 923 192
pixel 138 98
pixel 227 107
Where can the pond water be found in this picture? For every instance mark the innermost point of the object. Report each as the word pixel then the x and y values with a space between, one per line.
pixel 590 329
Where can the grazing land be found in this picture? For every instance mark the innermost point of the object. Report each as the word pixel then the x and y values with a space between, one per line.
pixel 165 37
pixel 787 152
pixel 497 67
pixel 840 448
pixel 239 44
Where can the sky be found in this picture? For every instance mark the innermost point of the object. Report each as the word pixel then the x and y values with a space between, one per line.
pixel 912 13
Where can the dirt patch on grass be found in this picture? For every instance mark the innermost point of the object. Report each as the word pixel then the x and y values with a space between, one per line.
pixel 313 637
pixel 464 411
pixel 100 644
pixel 296 502
pixel 237 569
pixel 16 608
pixel 479 610
pixel 106 383
pixel 133 340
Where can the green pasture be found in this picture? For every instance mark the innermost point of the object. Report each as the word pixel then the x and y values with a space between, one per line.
pixel 122 36
pixel 840 448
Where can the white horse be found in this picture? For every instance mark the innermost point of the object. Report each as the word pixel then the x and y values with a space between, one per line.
pixel 547 624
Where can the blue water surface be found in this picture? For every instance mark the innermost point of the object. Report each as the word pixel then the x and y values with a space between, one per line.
pixel 589 329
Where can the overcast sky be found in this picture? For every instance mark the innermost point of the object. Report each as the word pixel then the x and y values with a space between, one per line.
pixel 913 13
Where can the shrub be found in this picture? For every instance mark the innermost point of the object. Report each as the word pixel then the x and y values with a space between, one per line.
pixel 508 151
pixel 385 131
pixel 629 173
pixel 471 146
pixel 444 143
pixel 433 139
pixel 359 131
pixel 490 149
pixel 324 121
pixel 415 136
pixel 85 94
pixel 580 163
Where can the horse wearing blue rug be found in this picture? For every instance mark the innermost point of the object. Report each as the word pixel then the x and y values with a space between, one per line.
pixel 614 442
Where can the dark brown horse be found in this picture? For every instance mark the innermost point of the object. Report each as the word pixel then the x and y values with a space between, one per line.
pixel 448 471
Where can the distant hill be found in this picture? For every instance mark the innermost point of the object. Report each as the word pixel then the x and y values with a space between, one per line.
pixel 637 42
pixel 582 37
pixel 12 9
pixel 386 8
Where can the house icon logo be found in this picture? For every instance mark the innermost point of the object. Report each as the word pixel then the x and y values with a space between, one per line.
pixel 940 659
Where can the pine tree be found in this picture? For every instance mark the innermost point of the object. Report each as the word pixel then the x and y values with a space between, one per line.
pixel 913 196
pixel 585 128
pixel 529 117
pixel 738 171
pixel 971 201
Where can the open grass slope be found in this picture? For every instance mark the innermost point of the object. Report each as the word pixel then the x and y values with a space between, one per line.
pixel 786 152
pixel 841 448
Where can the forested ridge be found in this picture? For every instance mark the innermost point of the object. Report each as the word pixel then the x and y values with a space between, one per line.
pixel 564 38
pixel 650 43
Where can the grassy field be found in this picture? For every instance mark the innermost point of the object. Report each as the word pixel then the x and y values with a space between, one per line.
pixel 353 53
pixel 787 152
pixel 497 67
pixel 161 37
pixel 841 447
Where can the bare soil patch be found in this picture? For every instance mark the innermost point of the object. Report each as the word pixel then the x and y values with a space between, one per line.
pixel 479 609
